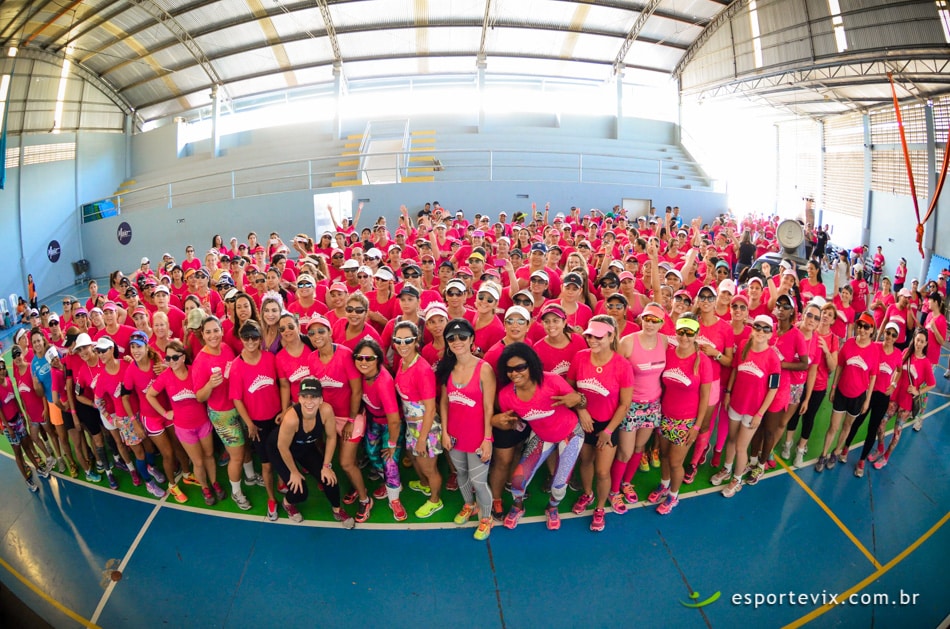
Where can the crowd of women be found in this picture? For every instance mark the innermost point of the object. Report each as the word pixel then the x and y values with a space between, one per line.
pixel 589 345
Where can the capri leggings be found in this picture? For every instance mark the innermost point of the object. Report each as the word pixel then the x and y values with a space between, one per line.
pixel 536 452
pixel 376 434
pixel 473 480
pixel 310 457
pixel 808 418
pixel 89 418
pixel 877 411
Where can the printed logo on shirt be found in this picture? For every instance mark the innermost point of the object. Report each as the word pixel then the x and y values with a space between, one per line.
pixel 535 414
pixel 367 402
pixel 299 374
pixel 751 368
pixel 9 397
pixel 858 362
pixel 118 391
pixel 227 369
pixel 184 394
pixel 913 372
pixel 95 381
pixel 22 387
pixel 702 340
pixel 885 368
pixel 594 386
pixel 653 366
pixel 457 397
pixel 330 383
pixel 561 368
pixel 677 374
pixel 259 383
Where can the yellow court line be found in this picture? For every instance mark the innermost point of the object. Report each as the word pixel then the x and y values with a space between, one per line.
pixel 46 597
pixel 830 513
pixel 872 577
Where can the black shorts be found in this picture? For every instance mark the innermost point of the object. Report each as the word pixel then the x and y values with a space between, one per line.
pixel 850 405
pixel 590 438
pixel 89 418
pixel 264 429
pixel 68 422
pixel 508 438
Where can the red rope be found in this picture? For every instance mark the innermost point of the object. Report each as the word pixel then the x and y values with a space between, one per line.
pixel 910 170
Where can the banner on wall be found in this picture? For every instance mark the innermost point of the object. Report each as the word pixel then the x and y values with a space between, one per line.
pixel 53 251
pixel 124 233
pixel 342 204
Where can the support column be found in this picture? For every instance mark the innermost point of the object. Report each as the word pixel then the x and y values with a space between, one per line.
pixel 339 91
pixel 618 117
pixel 129 126
pixel 930 230
pixel 866 223
pixel 481 65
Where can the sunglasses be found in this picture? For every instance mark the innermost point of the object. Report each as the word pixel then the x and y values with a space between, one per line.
pixel 609 285
pixel 452 338
pixel 338 257
pixel 517 368
pixel 742 307
pixel 171 358
pixel 453 293
pixel 686 332
pixel 649 319
pixel 539 280
pixel 360 358
pixel 317 331
pixel 285 328
pixel 52 323
pixel 516 321
pixel 259 281
pixel 523 302
pixel 891 334
pixel 488 298
pixel 351 310
pixel 305 285
pixel 863 326
pixel 411 276
pixel 359 277
pixel 66 303
pixel 428 262
pixel 706 297
pixel 761 328
pixel 248 339
pixel 784 306
pixel 812 317
pixel 681 298
pixel 102 351
pixel 409 340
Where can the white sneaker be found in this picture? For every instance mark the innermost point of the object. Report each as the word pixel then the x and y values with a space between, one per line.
pixel 918 423
pixel 241 501
pixel 720 476
pixel 799 457
pixel 154 489
pixel 257 480
pixel 787 450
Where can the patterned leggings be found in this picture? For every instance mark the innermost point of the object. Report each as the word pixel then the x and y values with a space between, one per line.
pixel 376 435
pixel 536 452
pixel 473 480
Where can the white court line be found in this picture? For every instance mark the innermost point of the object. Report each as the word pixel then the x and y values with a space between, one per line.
pixel 125 560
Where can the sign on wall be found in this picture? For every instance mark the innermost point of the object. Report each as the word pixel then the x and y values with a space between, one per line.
pixel 124 233
pixel 342 204
pixel 53 251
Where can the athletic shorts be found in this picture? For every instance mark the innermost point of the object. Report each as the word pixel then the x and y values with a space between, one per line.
pixel 590 438
pixel 127 431
pixel 193 435
pixel 15 431
pixel 154 426
pixel 228 425
pixel 108 421
pixel 676 431
pixel 641 415
pixel 796 394
pixel 745 420
pixel 509 438
pixel 55 415
pixel 89 418
pixel 264 429
pixel 433 441
pixel 850 405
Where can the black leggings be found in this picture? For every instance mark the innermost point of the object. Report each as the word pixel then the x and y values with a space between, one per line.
pixel 89 418
pixel 310 457
pixel 877 409
pixel 808 418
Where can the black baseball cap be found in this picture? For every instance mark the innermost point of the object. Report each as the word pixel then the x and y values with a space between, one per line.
pixel 311 387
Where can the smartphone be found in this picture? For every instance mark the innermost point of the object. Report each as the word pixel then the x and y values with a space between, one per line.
pixel 500 263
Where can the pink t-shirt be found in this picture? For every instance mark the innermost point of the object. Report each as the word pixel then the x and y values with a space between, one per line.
pixel 809 290
pixel 220 399
pixel 293 369
pixel 414 385
pixel 601 385
pixel 8 399
pixel 559 360
pixel 648 365
pixel 719 335
pixel 335 376
pixel 821 378
pixel 137 382
pixel 488 335
pixel 256 386
pixel 856 365
pixel 917 372
pixel 791 347
pixel 682 378
pixel 339 334
pixel 379 397
pixel 189 413
pixel 801 377
pixel 120 337
pixel 888 366
pixel 108 388
pixel 32 401
pixel 752 379
pixel 939 322
pixel 550 423
pixel 467 411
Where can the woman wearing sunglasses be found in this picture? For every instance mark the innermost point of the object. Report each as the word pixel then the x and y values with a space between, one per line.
pixel 383 439
pixel 189 416
pixel 416 387
pixel 292 359
pixel 605 379
pixel 646 351
pixel 212 372
pixel 852 386
pixel 342 388
pixel 808 326
pixel 741 331
pixel 543 401
pixel 243 309
pixel 687 377
pixel 455 295
pixel 486 324
pixel 354 328
pixel 466 402
pixel 436 317
pixel 680 304
pixel 751 389
pixel 889 372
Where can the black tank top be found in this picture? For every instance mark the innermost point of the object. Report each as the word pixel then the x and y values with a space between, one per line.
pixel 303 437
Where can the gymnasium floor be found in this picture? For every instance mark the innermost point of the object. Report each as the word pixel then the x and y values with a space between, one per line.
pixel 822 537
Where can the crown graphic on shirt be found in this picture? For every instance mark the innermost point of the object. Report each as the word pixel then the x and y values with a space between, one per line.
pixel 259 383
pixel 751 368
pixel 330 383
pixel 593 385
pixel 857 361
pixel 460 398
pixel 184 394
pixel 677 374
pixel 535 414
pixel 299 373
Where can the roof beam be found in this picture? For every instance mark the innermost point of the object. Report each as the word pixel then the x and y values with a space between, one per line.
pixel 331 32
pixel 486 24
pixel 631 37
pixel 94 18
pixel 29 8
pixel 627 7
pixel 710 30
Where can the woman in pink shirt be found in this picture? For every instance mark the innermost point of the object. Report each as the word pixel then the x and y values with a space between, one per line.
pixel 936 325
pixel 559 345
pixel 543 401
pixel 882 300
pixel 355 328
pixel 751 389
pixel 688 381
pixel 292 361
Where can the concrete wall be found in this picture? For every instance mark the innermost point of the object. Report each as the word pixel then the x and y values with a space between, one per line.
pixel 893 227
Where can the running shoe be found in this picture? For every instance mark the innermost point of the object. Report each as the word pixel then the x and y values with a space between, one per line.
pixel 224 459
pixel 734 487
pixel 428 508
pixel 119 463
pixel 497 510
pixel 61 463
pixel 918 423
pixel 272 510
pixel 292 512
pixel 282 486
pixel 717 458
pixel 32 484
pixel 583 501
pixel 73 472
pixel 364 510
pixel 374 474
pixel 452 484
pixel 655 458
pixel 154 489
pixel 513 517
pixel 645 462
pixel 755 475
pixel 113 483
pixel 42 471
pixel 799 458
pixel 859 469
pixel 770 464
pixel 208 496
pixel 100 467
pixel 483 530
pixel 574 483
pixel 177 494
pixel 881 462
pixel 874 456
pixel 344 518
pixel 830 461
pixel 689 473
pixel 658 494
pixel 553 518
pixel 380 492
pixel 218 491
pixel 720 477
pixel 464 515
pixel 189 478
pixel 256 480
pixel 136 479
pixel 820 465
pixel 158 476
pixel 241 501
pixel 668 505
pixel 787 450
pixel 702 457
pixel 629 494
pixel 416 485
pixel 598 522
pixel 93 477
pixel 399 511
pixel 349 498
pixel 843 456
pixel 617 505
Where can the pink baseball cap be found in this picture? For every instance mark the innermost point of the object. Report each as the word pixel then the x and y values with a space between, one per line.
pixel 598 329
